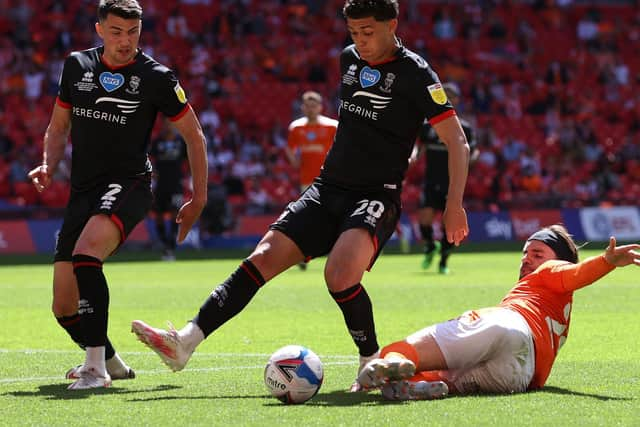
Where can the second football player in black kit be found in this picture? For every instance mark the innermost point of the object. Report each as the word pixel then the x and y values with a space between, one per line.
pixel 436 183
pixel 168 155
pixel 351 210
pixel 108 101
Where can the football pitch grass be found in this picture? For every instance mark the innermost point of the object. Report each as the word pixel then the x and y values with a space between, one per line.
pixel 595 381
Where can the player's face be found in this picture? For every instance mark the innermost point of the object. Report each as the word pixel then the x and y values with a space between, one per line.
pixel 311 109
pixel 534 254
pixel 120 37
pixel 375 40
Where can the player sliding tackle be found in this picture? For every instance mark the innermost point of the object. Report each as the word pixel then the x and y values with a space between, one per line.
pixel 509 348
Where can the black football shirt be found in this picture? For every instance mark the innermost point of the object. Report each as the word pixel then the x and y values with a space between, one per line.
pixel 382 108
pixel 437 155
pixel 168 155
pixel 113 111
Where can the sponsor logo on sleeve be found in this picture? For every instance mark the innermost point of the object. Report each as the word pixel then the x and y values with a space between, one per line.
pixel 182 97
pixel 437 93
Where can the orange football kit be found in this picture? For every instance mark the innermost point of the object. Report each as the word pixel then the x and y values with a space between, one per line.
pixel 313 142
pixel 544 299
pixel 510 347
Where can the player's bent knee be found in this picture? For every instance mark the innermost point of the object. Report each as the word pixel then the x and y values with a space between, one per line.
pixel 62 308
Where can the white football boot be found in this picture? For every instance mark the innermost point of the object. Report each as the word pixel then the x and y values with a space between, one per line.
pixel 115 374
pixel 363 362
pixel 166 343
pixel 90 378
pixel 415 390
pixel 379 371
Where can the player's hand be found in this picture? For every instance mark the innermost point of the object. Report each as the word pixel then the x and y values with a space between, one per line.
pixel 187 216
pixel 40 177
pixel 455 223
pixel 622 255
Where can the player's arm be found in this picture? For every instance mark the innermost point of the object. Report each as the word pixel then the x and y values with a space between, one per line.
pixel 289 149
pixel 55 139
pixel 455 218
pixel 195 141
pixel 291 157
pixel 569 277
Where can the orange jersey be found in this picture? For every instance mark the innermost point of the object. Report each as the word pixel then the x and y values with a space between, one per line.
pixel 544 299
pixel 313 141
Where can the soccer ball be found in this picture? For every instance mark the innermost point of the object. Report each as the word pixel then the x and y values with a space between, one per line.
pixel 293 374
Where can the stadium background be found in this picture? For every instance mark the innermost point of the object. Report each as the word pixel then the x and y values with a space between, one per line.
pixel 552 88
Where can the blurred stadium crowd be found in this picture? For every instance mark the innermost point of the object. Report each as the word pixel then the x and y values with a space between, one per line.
pixel 552 87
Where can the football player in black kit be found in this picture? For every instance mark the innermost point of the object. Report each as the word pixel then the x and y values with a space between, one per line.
pixel 436 183
pixel 108 100
pixel 167 155
pixel 352 208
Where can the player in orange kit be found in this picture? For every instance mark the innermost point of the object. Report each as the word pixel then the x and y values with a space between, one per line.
pixel 310 137
pixel 508 348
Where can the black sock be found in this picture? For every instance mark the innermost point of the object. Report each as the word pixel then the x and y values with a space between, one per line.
pixel 94 299
pixel 229 298
pixel 445 249
pixel 109 351
pixel 173 235
pixel 427 236
pixel 72 324
pixel 358 315
pixel 162 232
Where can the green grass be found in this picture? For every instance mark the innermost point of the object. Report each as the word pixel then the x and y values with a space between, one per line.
pixel 596 379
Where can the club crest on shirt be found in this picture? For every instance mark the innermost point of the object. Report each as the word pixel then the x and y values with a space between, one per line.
pixel 182 97
pixel 134 85
pixel 388 81
pixel 110 81
pixel 437 93
pixel 369 77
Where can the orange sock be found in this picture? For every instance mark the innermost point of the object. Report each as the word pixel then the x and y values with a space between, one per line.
pixel 427 376
pixel 401 349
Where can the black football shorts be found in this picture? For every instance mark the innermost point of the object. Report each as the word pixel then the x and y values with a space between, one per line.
pixel 323 212
pixel 125 200
pixel 434 196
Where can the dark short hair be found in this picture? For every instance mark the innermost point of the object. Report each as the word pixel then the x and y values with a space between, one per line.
pixel 125 9
pixel 380 10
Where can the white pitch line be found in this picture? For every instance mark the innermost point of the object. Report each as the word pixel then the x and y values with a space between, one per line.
pixel 156 372
pixel 144 353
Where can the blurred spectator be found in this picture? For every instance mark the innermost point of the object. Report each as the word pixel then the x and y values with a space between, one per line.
pixel 443 26
pixel 258 200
